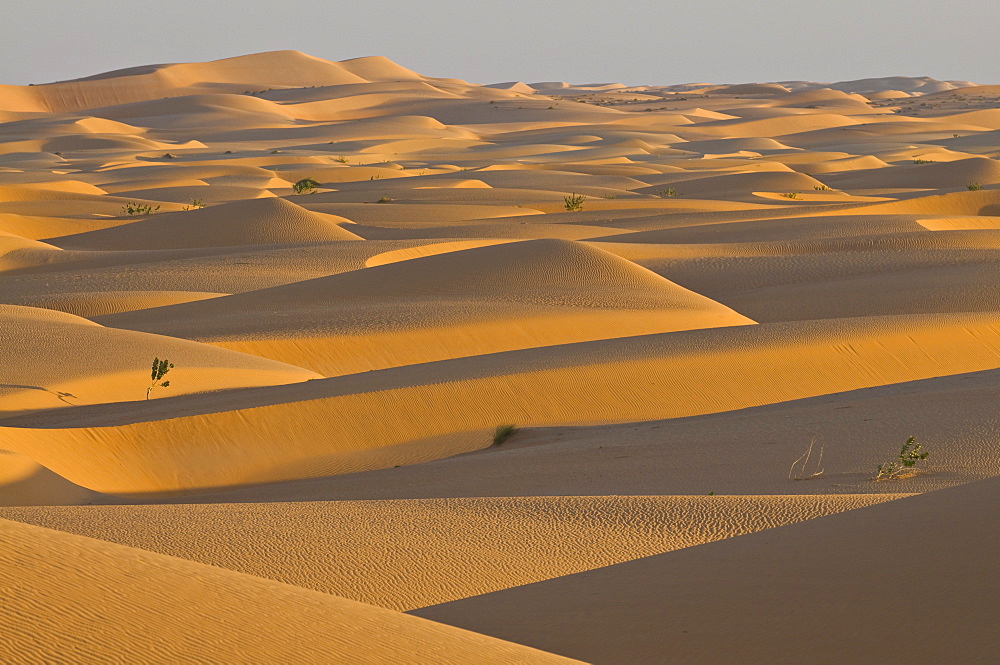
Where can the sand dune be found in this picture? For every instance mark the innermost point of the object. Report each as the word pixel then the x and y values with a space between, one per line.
pixel 187 612
pixel 741 452
pixel 958 173
pixel 253 222
pixel 693 604
pixel 451 410
pixel 89 364
pixel 24 482
pixel 91 304
pixel 668 291
pixel 463 302
pixel 403 555
pixel 802 279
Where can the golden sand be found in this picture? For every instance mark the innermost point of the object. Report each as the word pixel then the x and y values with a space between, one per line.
pixel 359 273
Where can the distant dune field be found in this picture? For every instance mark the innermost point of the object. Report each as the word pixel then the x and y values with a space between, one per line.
pixel 708 312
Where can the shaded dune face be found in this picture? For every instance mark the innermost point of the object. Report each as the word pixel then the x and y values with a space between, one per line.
pixel 361 274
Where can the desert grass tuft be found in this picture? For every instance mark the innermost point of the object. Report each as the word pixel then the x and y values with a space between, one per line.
pixel 502 433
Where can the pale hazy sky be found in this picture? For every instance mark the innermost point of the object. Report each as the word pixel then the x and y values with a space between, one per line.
pixel 628 41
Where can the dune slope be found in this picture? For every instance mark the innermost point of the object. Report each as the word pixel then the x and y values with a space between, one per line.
pixel 859 574
pixel 69 595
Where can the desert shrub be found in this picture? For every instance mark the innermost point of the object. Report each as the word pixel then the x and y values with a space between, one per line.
pixel 923 161
pixel 669 192
pixel 791 195
pixel 502 433
pixel 909 455
pixel 574 202
pixel 340 159
pixel 131 209
pixel 822 188
pixel 305 186
pixel 384 199
pixel 973 187
pixel 160 369
pixel 195 203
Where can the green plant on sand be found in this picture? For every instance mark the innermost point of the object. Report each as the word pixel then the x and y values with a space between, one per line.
pixel 160 369
pixel 132 209
pixel 502 433
pixel 305 186
pixel 574 202
pixel 909 455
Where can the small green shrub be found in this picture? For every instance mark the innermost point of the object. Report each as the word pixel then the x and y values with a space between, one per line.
pixel 923 161
pixel 131 209
pixel 305 186
pixel 791 195
pixel 822 188
pixel 340 159
pixel 610 196
pixel 502 433
pixel 909 455
pixel 160 369
pixel 384 199
pixel 973 187
pixel 574 202
pixel 668 193
pixel 195 203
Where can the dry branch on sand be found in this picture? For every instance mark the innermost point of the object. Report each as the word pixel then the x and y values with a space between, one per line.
pixel 801 472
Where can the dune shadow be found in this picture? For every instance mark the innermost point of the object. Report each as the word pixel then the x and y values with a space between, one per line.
pixel 60 395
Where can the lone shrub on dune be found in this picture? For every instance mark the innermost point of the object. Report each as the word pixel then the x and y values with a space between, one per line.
pixel 502 433
pixel 973 187
pixel 909 455
pixel 574 202
pixel 160 369
pixel 305 186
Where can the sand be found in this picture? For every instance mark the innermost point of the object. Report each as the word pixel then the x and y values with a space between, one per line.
pixel 67 597
pixel 753 269
pixel 840 588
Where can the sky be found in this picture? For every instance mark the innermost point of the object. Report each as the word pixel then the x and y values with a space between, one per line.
pixel 489 41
